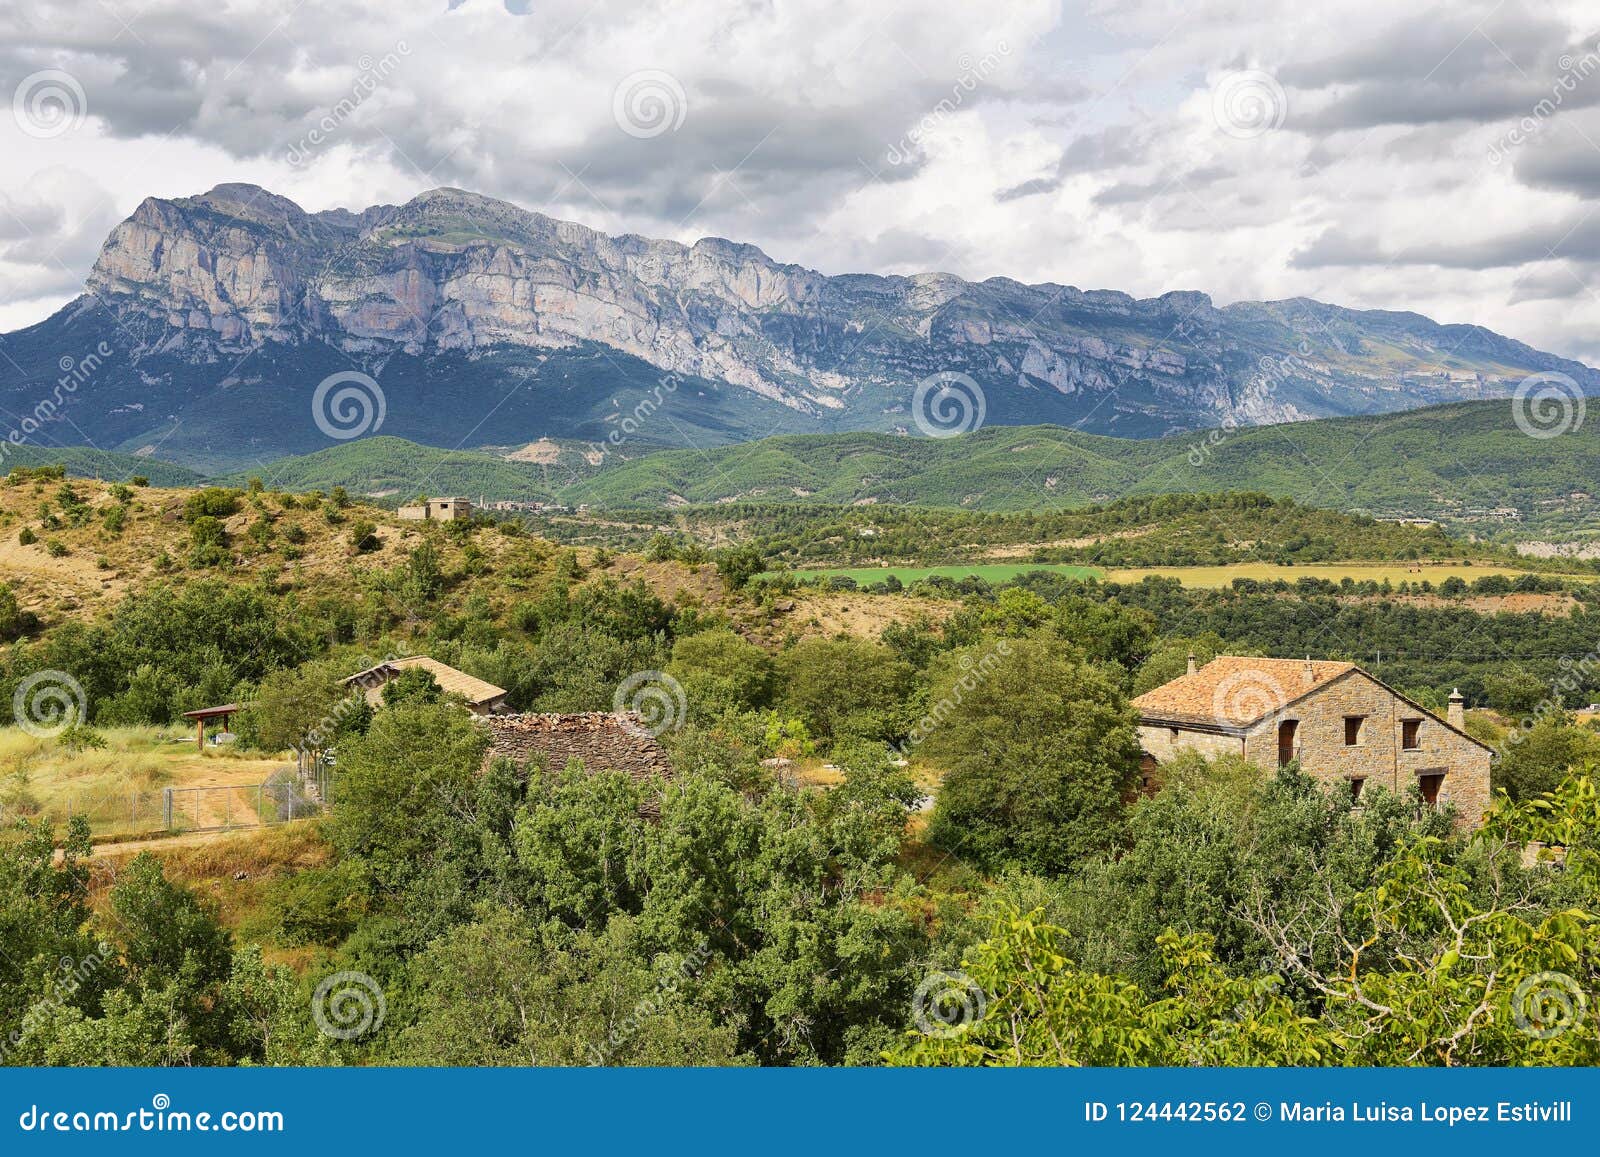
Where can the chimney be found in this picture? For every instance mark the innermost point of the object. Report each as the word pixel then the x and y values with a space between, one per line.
pixel 1192 667
pixel 1311 672
pixel 1456 716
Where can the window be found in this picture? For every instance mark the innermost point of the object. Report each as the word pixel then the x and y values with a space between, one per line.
pixel 1356 784
pixel 1352 729
pixel 1431 782
pixel 1408 734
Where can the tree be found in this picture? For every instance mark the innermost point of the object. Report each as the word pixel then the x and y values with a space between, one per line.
pixel 1039 749
pixel 415 685
pixel 845 687
pixel 721 672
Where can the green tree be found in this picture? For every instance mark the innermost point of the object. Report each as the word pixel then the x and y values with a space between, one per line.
pixel 1039 749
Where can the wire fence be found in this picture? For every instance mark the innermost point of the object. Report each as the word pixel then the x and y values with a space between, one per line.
pixel 283 797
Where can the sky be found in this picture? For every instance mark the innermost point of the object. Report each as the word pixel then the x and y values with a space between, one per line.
pixel 1376 155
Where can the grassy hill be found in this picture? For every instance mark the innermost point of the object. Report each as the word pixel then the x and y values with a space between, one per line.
pixel 1465 464
pixel 85 462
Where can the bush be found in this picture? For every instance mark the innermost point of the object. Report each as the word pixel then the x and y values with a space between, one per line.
pixel 26 537
pixel 363 537
pixel 212 502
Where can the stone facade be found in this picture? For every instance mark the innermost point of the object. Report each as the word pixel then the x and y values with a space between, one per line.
pixel 1340 722
pixel 437 510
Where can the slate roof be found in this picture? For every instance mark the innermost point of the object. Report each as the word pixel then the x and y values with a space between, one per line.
pixel 603 741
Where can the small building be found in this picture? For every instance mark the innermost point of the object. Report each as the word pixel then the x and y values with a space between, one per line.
pixel 438 510
pixel 482 698
pixel 599 740
pixel 1343 724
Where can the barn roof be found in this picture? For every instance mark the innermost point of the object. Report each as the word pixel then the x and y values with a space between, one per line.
pixel 451 681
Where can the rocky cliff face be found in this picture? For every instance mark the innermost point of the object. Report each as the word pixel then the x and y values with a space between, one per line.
pixel 452 278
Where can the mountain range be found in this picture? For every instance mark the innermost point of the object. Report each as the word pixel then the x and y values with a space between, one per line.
pixel 208 323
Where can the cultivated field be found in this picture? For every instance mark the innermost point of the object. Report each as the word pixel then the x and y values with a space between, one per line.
pixel 1189 576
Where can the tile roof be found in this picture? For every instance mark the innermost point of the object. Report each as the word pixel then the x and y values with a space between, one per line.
pixel 1237 691
pixel 451 681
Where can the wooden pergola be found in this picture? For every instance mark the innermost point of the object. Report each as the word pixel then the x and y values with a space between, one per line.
pixel 204 716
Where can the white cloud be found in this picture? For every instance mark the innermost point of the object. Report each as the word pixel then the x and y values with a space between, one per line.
pixel 1047 142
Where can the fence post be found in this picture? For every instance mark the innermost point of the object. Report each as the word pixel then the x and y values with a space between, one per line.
pixel 166 809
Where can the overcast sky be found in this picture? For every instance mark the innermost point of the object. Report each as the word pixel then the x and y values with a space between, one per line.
pixel 1370 154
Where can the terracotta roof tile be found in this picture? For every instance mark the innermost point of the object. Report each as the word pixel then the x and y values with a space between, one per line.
pixel 1237 691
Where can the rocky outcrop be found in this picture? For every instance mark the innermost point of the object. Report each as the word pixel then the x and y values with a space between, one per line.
pixel 239 268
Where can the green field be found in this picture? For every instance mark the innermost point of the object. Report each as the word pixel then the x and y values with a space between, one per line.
pixel 997 572
pixel 1189 576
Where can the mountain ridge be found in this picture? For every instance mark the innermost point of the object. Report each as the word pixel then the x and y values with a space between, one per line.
pixel 238 302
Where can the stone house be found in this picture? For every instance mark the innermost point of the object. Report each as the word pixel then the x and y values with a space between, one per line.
pixel 437 510
pixel 599 740
pixel 1344 725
